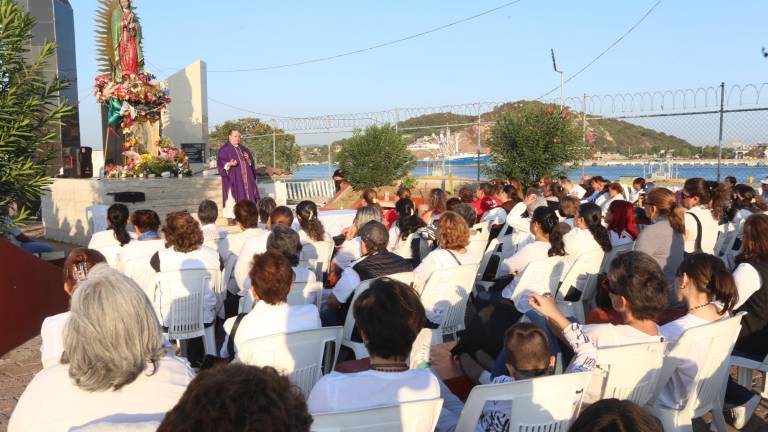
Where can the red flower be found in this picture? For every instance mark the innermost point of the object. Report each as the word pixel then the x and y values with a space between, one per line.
pixel 549 109
pixel 557 139
pixel 564 113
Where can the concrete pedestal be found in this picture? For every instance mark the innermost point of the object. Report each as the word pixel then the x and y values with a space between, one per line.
pixel 68 205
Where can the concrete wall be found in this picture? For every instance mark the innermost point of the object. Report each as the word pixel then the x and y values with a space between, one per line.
pixel 186 118
pixel 65 207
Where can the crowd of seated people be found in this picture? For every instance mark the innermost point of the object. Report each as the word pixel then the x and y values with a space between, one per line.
pixel 109 357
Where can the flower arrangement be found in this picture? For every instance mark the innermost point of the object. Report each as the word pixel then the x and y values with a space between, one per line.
pixel 144 95
pixel 170 160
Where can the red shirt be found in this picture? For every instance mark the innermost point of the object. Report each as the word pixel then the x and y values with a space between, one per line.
pixel 390 217
pixel 484 204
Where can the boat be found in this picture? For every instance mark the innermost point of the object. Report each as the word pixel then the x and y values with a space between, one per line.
pixel 459 159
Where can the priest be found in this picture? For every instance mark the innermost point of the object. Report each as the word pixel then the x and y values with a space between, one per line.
pixel 238 174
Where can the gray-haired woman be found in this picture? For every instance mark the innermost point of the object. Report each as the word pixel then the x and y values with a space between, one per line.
pixel 114 366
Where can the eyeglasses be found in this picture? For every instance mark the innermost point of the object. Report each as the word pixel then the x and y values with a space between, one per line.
pixel 613 289
pixel 687 195
pixel 531 373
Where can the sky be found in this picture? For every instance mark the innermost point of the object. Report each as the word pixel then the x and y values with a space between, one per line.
pixel 504 55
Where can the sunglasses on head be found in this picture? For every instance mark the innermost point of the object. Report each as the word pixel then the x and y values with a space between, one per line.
pixel 531 373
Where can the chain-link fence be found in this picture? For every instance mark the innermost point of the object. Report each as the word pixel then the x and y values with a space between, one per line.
pixel 709 132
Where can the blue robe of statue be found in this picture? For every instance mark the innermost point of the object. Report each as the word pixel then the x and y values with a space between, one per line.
pixel 238 181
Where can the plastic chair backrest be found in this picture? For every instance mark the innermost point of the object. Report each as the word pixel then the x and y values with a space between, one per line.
pixel 306 293
pixel 541 404
pixel 716 340
pixel 613 253
pixel 298 355
pixel 629 372
pixel 448 290
pixel 143 424
pixel 477 245
pixel 318 256
pixel 539 277
pixel 486 258
pixel 111 253
pixel 582 274
pixel 416 416
pixel 179 296
pixel 420 350
pixel 229 268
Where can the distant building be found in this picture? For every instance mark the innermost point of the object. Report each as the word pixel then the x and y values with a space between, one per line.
pixel 55 23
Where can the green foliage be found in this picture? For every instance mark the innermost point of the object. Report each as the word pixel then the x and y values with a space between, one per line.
pixel 288 154
pixel 29 109
pixel 617 136
pixel 409 182
pixel 539 141
pixel 377 157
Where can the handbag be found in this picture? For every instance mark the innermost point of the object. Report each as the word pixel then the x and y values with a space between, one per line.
pixel 210 361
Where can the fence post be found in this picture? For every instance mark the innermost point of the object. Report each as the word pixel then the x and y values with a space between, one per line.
pixel 720 136
pixel 478 142
pixel 328 124
pixel 274 146
pixel 583 126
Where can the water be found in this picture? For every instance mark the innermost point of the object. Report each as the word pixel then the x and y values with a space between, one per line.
pixel 741 172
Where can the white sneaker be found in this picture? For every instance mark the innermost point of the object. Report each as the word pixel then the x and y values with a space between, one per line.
pixel 742 413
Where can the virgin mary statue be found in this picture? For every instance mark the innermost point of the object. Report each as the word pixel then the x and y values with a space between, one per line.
pixel 126 41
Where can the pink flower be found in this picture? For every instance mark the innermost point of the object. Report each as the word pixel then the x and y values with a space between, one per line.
pixel 557 139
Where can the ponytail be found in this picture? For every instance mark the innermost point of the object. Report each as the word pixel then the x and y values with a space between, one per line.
pixel 309 221
pixel 117 221
pixel 408 220
pixel 556 243
pixel 593 215
pixel 709 275
pixel 677 218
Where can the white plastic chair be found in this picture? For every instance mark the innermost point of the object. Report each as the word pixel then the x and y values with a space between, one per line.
pixel 111 253
pixel 613 253
pixel 583 276
pixel 317 256
pixel 420 350
pixel 714 343
pixel 179 295
pixel 299 355
pixel 141 425
pixel 477 245
pixel 629 372
pixel 541 404
pixel 416 416
pixel 539 277
pixel 744 368
pixel 448 291
pixel 301 293
pixel 358 348
pixel 490 251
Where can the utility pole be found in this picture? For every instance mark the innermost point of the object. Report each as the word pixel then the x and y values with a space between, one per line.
pixel 720 136
pixel 554 66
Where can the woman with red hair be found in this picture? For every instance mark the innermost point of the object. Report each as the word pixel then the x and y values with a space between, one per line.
pixel 621 223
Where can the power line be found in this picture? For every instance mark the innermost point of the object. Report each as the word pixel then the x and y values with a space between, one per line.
pixel 249 111
pixel 616 42
pixel 370 48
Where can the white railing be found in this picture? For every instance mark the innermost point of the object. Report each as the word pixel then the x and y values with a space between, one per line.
pixel 313 190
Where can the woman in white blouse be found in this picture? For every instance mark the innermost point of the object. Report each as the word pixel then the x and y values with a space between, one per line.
pixel 76 267
pixel 389 315
pixel 705 202
pixel 620 219
pixel 588 233
pixel 407 223
pixel 745 203
pixel 311 229
pixel 110 241
pixel 114 363
pixel 273 277
pixel 709 294
pixel 453 240
pixel 349 251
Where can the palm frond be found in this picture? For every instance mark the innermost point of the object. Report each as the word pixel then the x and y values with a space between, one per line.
pixel 105 54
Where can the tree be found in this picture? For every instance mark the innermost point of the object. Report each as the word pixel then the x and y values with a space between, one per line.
pixel 377 157
pixel 535 142
pixel 29 109
pixel 257 136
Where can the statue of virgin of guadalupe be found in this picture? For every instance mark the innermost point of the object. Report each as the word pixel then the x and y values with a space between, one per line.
pixel 126 41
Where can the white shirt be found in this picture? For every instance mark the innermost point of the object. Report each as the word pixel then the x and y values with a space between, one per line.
pixel 237 240
pixel 202 258
pixel 440 259
pixel 215 237
pixel 305 238
pixel 709 230
pixel 609 335
pixel 53 403
pixel 741 216
pixel 346 285
pixel 133 260
pixel 349 251
pixel 578 191
pixel 266 319
pixel 676 392
pixel 256 244
pixel 530 252
pixel 104 239
pixel 620 239
pixel 579 241
pixel 748 282
pixel 397 245
pixel 344 392
pixel 516 220
pixel 52 335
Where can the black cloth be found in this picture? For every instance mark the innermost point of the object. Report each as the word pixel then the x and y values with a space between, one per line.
pixel 753 338
pixel 381 264
pixel 486 330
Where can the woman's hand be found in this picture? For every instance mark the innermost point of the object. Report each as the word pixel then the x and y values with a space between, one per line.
pixel 544 305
